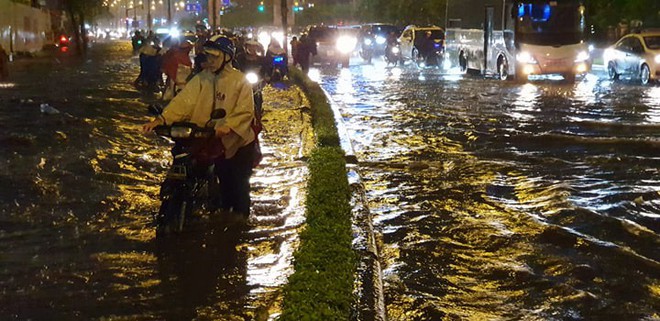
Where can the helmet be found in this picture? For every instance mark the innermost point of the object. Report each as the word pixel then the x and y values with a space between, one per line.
pixel 218 44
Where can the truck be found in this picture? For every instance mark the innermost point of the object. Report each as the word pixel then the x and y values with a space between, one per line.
pixel 514 39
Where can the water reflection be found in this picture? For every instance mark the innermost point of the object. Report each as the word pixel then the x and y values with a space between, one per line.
pixel 502 201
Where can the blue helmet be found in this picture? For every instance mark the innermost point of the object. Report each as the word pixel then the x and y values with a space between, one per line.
pixel 218 44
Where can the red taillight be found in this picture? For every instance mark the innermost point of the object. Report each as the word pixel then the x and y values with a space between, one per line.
pixel 64 49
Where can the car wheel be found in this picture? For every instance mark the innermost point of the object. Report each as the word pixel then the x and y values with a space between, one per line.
pixel 611 71
pixel 502 69
pixel 645 74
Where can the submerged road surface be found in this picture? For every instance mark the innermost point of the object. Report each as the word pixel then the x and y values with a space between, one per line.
pixel 504 201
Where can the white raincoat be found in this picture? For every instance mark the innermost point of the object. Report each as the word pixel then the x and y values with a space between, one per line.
pixel 232 92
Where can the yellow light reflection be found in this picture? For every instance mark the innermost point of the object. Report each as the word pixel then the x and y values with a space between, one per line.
pixel 7 85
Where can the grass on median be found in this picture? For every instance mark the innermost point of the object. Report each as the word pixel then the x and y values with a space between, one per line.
pixel 321 288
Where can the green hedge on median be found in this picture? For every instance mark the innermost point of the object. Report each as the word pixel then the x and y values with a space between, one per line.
pixel 323 118
pixel 321 288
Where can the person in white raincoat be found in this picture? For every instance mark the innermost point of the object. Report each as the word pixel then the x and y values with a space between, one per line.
pixel 218 86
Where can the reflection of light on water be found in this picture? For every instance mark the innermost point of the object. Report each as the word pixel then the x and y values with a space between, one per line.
pixel 345 82
pixel 525 102
pixel 395 73
pixel 7 85
pixel 373 73
pixel 421 77
pixel 314 74
pixel 652 101
pixel 585 89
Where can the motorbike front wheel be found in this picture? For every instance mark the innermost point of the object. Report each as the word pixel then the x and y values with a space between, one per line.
pixel 172 215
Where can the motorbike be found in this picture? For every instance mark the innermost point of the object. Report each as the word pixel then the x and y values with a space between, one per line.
pixel 434 57
pixel 278 67
pixel 367 48
pixel 191 180
pixel 393 54
pixel 258 84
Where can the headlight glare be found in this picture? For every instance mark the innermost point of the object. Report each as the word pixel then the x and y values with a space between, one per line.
pixel 657 59
pixel 367 42
pixel 525 58
pixel 180 132
pixel 346 44
pixel 582 56
pixel 252 78
pixel 380 40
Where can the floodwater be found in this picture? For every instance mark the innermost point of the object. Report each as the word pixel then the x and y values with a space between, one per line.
pixel 502 201
pixel 78 190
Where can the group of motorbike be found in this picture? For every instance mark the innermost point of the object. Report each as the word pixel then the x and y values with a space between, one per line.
pixel 190 181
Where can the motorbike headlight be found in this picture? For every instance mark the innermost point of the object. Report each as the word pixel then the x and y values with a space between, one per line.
pixel 657 59
pixel 395 50
pixel 252 78
pixel 346 44
pixel 368 42
pixel 180 132
pixel 582 56
pixel 525 58
pixel 380 40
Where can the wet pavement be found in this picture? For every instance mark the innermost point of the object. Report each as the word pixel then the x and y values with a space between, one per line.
pixel 78 188
pixel 504 201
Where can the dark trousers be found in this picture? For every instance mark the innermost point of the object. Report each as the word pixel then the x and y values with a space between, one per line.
pixel 234 175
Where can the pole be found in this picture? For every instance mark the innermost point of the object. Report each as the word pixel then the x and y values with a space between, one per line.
pixel 215 15
pixel 285 24
pixel 149 22
pixel 169 12
pixel 446 14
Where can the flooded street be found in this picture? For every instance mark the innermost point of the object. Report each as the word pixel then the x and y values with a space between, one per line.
pixel 79 185
pixel 504 201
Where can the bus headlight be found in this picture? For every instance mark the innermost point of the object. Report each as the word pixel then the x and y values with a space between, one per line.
pixel 582 56
pixel 525 58
pixel 346 44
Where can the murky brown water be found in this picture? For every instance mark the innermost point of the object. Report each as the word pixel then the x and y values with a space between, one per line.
pixel 499 201
pixel 78 188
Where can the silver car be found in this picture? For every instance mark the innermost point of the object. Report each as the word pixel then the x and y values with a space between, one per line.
pixel 636 55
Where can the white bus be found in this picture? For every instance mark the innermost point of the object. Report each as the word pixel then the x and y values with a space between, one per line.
pixel 509 38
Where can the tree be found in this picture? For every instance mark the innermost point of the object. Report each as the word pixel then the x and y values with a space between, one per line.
pixel 81 12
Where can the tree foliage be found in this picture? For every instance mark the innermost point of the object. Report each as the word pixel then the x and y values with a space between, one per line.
pixel 404 12
pixel 81 12
pixel 605 13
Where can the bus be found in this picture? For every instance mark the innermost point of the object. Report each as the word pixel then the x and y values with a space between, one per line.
pixel 516 39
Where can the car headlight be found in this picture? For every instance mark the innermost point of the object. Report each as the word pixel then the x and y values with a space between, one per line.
pixel 180 132
pixel 657 59
pixel 346 44
pixel 380 40
pixel 525 58
pixel 367 42
pixel 252 78
pixel 608 55
pixel 582 56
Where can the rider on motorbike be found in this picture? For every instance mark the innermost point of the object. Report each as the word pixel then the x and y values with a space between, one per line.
pixel 220 86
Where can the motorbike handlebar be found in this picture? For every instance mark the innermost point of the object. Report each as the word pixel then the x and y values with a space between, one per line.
pixel 184 131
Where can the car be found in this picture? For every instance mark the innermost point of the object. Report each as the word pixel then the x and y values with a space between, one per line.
pixel 636 55
pixel 333 44
pixel 411 36
pixel 379 32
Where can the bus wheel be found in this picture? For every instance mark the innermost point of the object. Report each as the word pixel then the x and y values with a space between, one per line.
pixel 645 74
pixel 502 68
pixel 462 62
pixel 611 71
